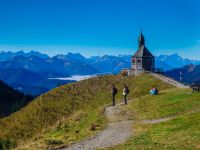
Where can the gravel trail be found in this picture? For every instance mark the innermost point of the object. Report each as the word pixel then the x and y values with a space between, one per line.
pixel 154 121
pixel 170 81
pixel 118 130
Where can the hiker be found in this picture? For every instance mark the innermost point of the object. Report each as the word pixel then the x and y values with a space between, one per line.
pixel 125 93
pixel 154 91
pixel 113 92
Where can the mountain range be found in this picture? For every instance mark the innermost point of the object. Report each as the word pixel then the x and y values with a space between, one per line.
pixel 29 82
pixel 30 72
pixel 168 62
pixel 187 74
pixel 9 55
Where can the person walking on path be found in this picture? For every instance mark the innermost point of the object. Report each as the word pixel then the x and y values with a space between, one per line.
pixel 113 92
pixel 125 93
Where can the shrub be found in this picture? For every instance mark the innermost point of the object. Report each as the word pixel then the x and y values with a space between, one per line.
pixel 124 73
pixel 54 142
pixel 6 144
pixel 93 127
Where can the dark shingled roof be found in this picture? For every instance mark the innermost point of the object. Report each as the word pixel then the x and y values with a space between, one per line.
pixel 143 52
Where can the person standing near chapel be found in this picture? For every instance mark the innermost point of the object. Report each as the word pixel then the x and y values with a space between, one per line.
pixel 125 93
pixel 113 92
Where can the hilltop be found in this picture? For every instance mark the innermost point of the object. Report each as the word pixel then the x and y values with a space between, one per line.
pixel 75 111
pixel 66 114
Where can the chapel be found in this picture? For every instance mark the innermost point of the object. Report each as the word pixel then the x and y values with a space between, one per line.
pixel 142 60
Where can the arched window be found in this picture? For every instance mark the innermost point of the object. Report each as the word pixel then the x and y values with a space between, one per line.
pixel 139 61
pixel 133 61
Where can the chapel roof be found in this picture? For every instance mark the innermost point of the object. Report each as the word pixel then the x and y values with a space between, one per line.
pixel 143 52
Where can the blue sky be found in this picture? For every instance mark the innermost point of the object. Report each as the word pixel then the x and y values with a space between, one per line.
pixel 98 27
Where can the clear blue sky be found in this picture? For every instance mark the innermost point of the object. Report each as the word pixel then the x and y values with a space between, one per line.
pixel 97 27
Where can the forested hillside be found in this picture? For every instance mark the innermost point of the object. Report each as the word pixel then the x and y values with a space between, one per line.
pixel 11 100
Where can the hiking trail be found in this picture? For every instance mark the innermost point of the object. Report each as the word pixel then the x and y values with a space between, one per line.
pixel 120 125
pixel 169 81
pixel 118 130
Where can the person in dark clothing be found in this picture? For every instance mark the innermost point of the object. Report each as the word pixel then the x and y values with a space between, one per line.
pixel 113 92
pixel 125 93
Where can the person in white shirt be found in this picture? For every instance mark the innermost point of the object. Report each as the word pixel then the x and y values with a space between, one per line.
pixel 125 93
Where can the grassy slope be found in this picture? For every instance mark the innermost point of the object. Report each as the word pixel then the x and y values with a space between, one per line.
pixel 167 103
pixel 65 114
pixel 182 132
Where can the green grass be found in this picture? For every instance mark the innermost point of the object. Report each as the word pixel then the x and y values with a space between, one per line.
pixel 167 103
pixel 181 133
pixel 65 114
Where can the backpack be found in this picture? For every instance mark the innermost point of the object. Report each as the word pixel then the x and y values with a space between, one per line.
pixel 115 91
pixel 127 91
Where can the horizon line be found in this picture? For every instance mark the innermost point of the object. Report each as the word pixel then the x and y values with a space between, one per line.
pixel 117 55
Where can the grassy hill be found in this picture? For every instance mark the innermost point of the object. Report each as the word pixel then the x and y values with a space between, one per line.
pixel 66 114
pixel 180 133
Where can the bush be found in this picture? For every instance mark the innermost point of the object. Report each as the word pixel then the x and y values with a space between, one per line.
pixel 93 127
pixel 7 144
pixel 124 73
pixel 55 142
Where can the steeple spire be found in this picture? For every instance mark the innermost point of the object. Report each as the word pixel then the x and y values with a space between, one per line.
pixel 141 40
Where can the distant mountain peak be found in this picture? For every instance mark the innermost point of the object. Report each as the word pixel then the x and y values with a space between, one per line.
pixel 190 73
pixel 10 55
pixel 75 54
pixel 191 67
pixel 174 61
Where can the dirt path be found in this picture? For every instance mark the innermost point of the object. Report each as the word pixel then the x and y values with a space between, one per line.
pixel 154 121
pixel 118 131
pixel 120 125
pixel 169 80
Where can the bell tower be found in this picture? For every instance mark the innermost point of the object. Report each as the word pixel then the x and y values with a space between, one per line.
pixel 141 40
